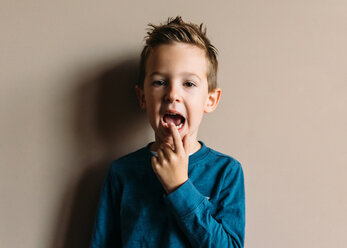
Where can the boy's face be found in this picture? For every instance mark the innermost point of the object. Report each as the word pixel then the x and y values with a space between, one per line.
pixel 176 90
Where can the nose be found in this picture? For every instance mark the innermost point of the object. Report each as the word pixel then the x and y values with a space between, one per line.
pixel 172 93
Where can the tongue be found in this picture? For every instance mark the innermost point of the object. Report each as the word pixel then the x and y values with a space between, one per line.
pixel 176 119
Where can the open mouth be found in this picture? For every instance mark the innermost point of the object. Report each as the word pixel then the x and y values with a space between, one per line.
pixel 177 119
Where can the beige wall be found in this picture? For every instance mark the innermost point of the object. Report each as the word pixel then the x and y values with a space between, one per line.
pixel 67 109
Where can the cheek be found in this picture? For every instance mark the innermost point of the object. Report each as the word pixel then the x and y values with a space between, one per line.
pixel 154 99
pixel 152 109
pixel 196 112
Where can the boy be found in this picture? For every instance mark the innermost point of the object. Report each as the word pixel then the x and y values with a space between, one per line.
pixel 175 192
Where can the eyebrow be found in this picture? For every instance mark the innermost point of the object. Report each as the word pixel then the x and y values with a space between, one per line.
pixel 182 74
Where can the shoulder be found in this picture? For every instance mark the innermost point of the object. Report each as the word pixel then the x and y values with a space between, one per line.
pixel 131 161
pixel 223 158
pixel 226 164
pixel 232 173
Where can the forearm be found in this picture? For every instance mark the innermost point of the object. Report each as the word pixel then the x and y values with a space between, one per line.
pixel 193 213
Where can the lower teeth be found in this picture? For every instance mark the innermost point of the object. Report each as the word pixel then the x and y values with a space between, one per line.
pixel 179 126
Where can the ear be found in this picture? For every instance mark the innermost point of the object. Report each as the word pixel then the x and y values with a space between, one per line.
pixel 141 97
pixel 212 100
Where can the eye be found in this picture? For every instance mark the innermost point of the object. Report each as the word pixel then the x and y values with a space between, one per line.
pixel 158 83
pixel 189 84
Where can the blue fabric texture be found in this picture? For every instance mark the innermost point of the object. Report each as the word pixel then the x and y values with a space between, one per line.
pixel 208 210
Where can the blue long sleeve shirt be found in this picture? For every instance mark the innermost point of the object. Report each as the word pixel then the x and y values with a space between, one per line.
pixel 208 210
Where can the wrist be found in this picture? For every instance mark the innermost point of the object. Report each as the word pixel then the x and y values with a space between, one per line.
pixel 170 189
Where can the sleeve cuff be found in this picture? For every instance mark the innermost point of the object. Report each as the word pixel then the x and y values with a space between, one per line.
pixel 185 199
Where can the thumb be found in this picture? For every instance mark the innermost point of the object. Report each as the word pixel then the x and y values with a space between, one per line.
pixel 155 164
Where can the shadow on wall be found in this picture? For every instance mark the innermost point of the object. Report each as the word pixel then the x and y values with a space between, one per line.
pixel 107 123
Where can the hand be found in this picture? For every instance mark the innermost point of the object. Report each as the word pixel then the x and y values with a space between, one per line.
pixel 171 165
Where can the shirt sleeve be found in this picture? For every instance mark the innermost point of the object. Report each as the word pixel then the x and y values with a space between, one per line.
pixel 192 211
pixel 106 231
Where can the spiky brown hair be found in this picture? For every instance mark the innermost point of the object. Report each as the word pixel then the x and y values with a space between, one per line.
pixel 176 30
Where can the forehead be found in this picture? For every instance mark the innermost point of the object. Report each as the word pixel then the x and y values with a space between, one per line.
pixel 177 59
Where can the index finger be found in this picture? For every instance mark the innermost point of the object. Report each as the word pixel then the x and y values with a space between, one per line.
pixel 176 138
